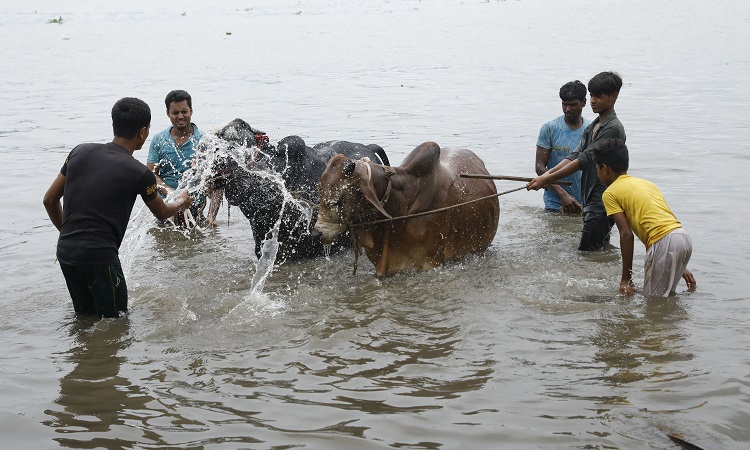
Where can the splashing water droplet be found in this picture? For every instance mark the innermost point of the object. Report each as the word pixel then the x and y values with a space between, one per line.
pixel 213 152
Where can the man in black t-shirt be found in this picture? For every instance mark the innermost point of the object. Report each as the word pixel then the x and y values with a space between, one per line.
pixel 98 185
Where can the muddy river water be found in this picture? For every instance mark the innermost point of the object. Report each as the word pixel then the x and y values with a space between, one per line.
pixel 525 346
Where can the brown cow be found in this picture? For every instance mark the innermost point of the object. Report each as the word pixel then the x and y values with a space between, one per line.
pixel 354 193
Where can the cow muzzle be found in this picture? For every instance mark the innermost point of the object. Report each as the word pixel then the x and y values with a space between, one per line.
pixel 329 231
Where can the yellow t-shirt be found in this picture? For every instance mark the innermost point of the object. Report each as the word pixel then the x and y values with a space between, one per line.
pixel 644 206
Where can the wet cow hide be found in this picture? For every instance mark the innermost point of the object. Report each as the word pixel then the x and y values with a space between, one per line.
pixel 247 179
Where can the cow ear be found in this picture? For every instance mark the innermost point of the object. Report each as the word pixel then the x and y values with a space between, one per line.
pixel 349 168
pixel 369 193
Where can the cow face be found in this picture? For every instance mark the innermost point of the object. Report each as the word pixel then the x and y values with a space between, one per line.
pixel 225 154
pixel 347 197
pixel 280 157
pixel 237 146
pixel 337 190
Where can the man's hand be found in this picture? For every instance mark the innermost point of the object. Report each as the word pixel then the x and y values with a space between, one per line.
pixel 163 189
pixel 689 279
pixel 570 205
pixel 538 183
pixel 185 199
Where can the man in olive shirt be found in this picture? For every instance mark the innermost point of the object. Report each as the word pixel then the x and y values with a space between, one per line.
pixel 603 90
pixel 98 185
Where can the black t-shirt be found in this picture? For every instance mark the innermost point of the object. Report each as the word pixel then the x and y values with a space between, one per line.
pixel 592 187
pixel 101 184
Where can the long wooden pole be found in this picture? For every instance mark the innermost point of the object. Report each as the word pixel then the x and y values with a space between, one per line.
pixel 508 177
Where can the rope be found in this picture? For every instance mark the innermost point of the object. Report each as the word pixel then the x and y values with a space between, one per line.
pixel 389 172
pixel 425 213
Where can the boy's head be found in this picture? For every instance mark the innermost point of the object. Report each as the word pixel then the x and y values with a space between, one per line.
pixel 612 159
pixel 604 89
pixel 605 83
pixel 573 90
pixel 129 116
pixel 573 96
pixel 178 96
pixel 179 109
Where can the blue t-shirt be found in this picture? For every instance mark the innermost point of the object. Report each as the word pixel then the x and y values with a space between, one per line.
pixel 557 136
pixel 172 160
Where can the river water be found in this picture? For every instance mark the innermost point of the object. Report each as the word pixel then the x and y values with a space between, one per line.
pixel 525 346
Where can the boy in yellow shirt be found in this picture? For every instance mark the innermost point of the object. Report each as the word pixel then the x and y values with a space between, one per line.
pixel 638 207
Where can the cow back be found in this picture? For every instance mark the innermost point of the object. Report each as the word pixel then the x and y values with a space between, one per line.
pixel 452 217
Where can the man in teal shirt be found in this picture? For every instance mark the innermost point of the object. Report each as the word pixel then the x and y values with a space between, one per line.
pixel 171 151
pixel 557 139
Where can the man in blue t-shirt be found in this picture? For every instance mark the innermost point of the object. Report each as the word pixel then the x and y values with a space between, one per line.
pixel 556 140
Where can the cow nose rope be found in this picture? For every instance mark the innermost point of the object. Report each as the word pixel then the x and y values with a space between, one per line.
pixel 355 247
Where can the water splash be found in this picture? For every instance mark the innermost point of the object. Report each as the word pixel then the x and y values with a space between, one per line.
pixel 264 266
pixel 214 151
pixel 138 226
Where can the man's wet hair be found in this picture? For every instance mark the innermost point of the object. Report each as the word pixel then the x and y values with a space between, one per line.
pixel 177 96
pixel 612 153
pixel 573 90
pixel 129 115
pixel 605 83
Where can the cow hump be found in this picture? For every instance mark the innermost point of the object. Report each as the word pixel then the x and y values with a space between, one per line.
pixel 422 160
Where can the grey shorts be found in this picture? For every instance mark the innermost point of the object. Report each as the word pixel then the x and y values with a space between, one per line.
pixel 665 262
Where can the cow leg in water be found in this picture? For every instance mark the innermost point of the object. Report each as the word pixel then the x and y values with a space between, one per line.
pixel 296 241
pixel 381 269
pixel 259 225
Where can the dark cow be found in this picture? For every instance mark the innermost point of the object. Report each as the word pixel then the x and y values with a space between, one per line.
pixel 277 182
pixel 354 194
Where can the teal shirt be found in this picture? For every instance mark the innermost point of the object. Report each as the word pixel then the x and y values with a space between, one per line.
pixel 557 137
pixel 170 159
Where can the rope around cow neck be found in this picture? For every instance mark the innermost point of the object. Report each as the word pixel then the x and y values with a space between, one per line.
pixel 355 241
pixel 433 211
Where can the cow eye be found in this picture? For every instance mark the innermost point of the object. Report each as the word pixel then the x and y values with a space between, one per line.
pixel 337 204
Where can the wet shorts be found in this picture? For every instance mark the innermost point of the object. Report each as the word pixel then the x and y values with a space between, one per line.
pixel 666 259
pixel 96 289
pixel 595 231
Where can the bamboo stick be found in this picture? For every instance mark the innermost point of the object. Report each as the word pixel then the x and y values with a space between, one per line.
pixel 508 177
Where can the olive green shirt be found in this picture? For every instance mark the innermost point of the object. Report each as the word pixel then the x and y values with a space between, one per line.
pixel 591 186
